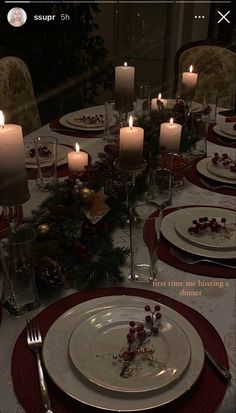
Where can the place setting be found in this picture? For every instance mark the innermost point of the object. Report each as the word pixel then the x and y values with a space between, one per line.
pixel 216 173
pixel 47 160
pixel 122 350
pixel 223 134
pixel 200 240
pixel 87 123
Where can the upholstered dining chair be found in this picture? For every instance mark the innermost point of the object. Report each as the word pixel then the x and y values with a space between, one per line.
pixel 215 64
pixel 17 99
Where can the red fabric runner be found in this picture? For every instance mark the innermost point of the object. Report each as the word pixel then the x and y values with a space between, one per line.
pixel 213 138
pixel 205 396
pixel 208 270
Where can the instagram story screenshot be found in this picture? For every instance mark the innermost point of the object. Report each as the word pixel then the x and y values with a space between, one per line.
pixel 117 206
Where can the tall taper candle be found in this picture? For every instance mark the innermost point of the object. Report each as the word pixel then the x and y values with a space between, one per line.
pixel 131 146
pixel 13 178
pixel 124 87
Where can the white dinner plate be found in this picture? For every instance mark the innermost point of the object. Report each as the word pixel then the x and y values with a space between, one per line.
pixel 98 338
pixel 62 152
pixel 206 238
pixel 170 233
pixel 76 119
pixel 202 168
pixel 96 110
pixel 228 128
pixel 195 106
pixel 218 129
pixel 60 368
pixel 221 171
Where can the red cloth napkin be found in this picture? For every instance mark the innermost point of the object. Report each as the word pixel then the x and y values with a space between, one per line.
pixel 208 270
pixel 194 177
pixel 205 396
pixel 57 127
pixel 213 138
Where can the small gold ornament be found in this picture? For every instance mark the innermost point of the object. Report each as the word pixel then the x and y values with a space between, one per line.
pixel 43 230
pixel 86 195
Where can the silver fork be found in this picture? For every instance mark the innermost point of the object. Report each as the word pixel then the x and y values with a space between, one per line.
pixel 216 185
pixel 194 260
pixel 35 342
pixel 226 143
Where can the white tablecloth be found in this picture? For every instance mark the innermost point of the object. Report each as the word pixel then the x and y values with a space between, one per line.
pixel 217 303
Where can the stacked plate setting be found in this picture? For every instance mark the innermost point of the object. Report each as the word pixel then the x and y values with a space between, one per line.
pixel 175 226
pixel 227 130
pixel 89 119
pixel 79 351
pixel 217 173
pixel 31 162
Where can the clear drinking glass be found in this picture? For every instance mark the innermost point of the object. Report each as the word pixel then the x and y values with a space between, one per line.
pixel 110 120
pixel 46 154
pixel 210 103
pixel 159 187
pixel 142 98
pixel 199 128
pixel 17 257
pixel 144 236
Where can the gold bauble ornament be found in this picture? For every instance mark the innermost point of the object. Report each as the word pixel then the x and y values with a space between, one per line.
pixel 43 230
pixel 86 195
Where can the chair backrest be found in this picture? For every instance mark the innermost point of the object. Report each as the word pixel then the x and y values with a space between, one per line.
pixel 17 99
pixel 215 64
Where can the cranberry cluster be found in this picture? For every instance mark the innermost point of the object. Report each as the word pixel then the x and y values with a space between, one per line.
pixel 44 152
pixel 91 119
pixel 225 161
pixel 204 224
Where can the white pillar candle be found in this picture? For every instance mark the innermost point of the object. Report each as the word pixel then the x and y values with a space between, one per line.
pixel 189 83
pixel 170 135
pixel 124 87
pixel 131 146
pixel 77 160
pixel 13 178
pixel 154 102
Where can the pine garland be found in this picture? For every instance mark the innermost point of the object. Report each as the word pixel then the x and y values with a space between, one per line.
pixel 83 251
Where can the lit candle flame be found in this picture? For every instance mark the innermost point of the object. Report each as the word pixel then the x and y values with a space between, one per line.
pixel 1 119
pixel 77 148
pixel 171 121
pixel 125 64
pixel 159 96
pixel 191 69
pixel 131 122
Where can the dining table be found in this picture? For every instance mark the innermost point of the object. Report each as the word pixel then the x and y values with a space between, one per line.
pixel 208 293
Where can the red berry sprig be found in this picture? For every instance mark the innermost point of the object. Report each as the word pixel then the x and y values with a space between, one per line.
pixel 137 336
pixel 225 161
pixel 153 318
pixel 206 224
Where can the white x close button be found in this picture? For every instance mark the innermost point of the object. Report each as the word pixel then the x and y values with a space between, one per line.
pixel 223 16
